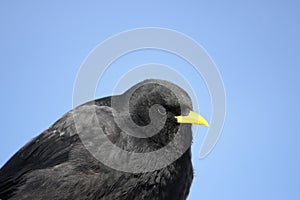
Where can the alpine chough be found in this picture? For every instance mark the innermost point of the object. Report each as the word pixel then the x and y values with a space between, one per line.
pixel 57 165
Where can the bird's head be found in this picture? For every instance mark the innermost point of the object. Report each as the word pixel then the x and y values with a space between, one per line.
pixel 157 108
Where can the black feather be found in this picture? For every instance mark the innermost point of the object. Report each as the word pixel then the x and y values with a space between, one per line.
pixel 56 164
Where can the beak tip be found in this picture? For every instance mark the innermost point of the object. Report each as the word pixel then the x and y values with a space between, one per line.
pixel 205 124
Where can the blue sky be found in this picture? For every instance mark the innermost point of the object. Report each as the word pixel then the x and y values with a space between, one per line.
pixel 255 45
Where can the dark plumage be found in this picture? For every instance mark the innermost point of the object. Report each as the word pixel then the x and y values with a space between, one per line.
pixel 56 165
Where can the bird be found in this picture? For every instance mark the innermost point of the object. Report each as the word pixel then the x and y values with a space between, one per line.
pixel 58 165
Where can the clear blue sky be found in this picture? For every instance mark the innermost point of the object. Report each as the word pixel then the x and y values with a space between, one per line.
pixel 255 45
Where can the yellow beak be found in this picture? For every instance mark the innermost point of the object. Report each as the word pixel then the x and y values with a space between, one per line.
pixel 192 118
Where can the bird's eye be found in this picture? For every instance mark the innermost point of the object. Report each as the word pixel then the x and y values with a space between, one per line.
pixel 161 110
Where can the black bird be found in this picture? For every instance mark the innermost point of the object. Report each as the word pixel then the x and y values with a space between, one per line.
pixel 59 163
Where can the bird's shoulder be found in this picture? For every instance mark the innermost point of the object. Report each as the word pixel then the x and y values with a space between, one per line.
pixel 52 149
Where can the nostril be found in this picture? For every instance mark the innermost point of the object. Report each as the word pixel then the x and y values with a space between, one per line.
pixel 185 110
